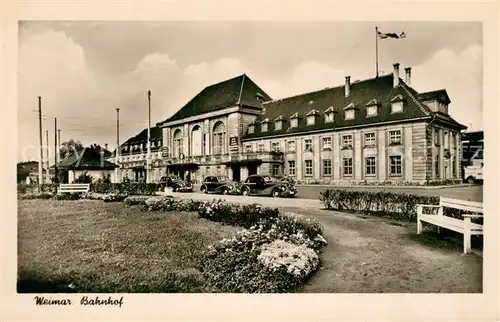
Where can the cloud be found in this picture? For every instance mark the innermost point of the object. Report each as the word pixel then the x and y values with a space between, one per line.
pixel 460 73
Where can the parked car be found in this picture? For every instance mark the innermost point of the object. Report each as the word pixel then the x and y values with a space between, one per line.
pixel 219 184
pixel 262 185
pixel 177 184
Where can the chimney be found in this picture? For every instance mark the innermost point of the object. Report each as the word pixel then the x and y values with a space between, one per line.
pixel 105 146
pixel 396 74
pixel 408 76
pixel 347 85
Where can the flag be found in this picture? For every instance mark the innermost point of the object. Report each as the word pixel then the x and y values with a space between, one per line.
pixel 391 35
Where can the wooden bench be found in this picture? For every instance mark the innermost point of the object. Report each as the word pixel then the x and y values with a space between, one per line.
pixel 74 188
pixel 465 227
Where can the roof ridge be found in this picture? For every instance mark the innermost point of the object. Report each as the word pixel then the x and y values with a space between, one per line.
pixel 326 89
pixel 419 104
pixel 241 89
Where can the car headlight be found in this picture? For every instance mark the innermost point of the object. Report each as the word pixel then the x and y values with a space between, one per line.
pixel 283 188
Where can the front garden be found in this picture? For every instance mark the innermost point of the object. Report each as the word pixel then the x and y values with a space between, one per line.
pixel 113 243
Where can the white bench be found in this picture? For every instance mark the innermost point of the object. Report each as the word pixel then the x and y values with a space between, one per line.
pixel 465 227
pixel 74 188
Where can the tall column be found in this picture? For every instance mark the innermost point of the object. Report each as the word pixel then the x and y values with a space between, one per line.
pixel 441 155
pixel 458 153
pixel 408 153
pixel 336 157
pixel 357 156
pixel 317 166
pixel 382 155
pixel 298 157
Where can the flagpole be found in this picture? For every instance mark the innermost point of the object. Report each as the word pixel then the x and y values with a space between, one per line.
pixel 376 51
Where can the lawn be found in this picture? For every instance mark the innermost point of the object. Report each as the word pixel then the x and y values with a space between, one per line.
pixel 92 246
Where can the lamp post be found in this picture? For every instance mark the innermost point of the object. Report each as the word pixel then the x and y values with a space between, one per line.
pixel 148 157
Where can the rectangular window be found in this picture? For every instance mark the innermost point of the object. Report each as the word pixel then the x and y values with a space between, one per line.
pixel 446 140
pixel 291 168
pixel 327 167
pixel 327 143
pixel 310 120
pixel 248 148
pixel 437 166
pixel 277 125
pixel 251 129
pixel 396 165
pixel 294 122
pixel 309 167
pixel 349 114
pixel 453 167
pixel 308 145
pixel 397 107
pixel 329 118
pixel 370 168
pixel 347 141
pixel 371 110
pixel 347 166
pixel 276 146
pixel 263 127
pixel 260 147
pixel 369 139
pixel 291 146
pixel 436 137
pixel 276 170
pixel 395 137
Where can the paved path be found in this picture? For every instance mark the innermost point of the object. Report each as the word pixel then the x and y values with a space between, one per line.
pixel 375 255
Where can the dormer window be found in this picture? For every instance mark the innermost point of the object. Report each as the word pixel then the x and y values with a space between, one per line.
pixel 397 104
pixel 311 117
pixel 259 97
pixel 350 111
pixel 294 120
pixel 278 123
pixel 372 108
pixel 264 125
pixel 329 115
pixel 251 128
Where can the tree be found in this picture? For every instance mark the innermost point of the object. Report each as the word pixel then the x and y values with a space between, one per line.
pixel 69 148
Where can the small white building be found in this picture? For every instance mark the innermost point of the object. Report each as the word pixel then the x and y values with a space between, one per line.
pixel 90 161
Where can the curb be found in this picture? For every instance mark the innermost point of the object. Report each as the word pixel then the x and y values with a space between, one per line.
pixel 382 186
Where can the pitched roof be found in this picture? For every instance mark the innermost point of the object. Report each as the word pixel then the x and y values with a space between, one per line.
pixel 90 159
pixel 362 93
pixel 142 137
pixel 27 167
pixel 439 94
pixel 240 90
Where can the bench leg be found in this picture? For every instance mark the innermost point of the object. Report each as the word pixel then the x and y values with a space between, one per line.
pixel 419 222
pixel 467 236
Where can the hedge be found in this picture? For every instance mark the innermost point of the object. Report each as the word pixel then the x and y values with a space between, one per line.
pixel 399 206
pixel 131 188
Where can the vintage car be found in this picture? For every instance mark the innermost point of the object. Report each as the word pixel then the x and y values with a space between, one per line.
pixel 219 184
pixel 177 184
pixel 262 185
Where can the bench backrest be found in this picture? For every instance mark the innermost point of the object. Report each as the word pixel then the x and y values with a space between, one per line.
pixel 472 206
pixel 74 187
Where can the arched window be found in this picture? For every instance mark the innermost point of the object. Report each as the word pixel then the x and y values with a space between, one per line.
pixel 219 137
pixel 177 143
pixel 196 141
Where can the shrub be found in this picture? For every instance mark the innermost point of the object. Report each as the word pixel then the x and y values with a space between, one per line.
pixel 135 200
pixel 84 178
pixel 36 195
pixel 132 188
pixel 235 214
pixel 171 204
pixel 112 197
pixel 66 196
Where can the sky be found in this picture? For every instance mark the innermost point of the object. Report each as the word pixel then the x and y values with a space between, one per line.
pixel 85 70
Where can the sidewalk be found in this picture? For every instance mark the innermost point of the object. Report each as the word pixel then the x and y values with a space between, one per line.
pixel 334 186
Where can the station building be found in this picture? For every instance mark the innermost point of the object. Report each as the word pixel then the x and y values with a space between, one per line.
pixel 374 130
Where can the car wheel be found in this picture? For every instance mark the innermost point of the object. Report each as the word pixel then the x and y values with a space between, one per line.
pixel 225 191
pixel 276 193
pixel 471 180
pixel 245 192
pixel 174 189
pixel 203 189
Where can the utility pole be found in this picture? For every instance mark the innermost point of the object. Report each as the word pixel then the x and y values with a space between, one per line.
pixel 40 164
pixel 55 148
pixel 117 154
pixel 148 158
pixel 47 150
pixel 376 51
pixel 58 143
